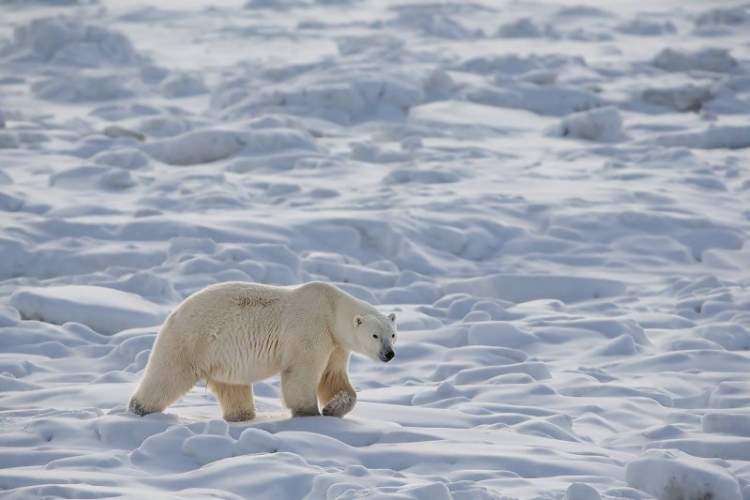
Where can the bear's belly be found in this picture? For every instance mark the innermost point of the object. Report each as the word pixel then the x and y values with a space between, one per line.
pixel 241 366
pixel 242 375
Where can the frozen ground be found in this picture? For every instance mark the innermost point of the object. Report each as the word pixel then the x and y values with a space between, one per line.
pixel 555 196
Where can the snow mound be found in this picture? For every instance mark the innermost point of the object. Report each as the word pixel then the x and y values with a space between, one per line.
pixel 431 176
pixel 182 84
pixel 93 176
pixel 501 334
pixel 9 140
pixel 344 97
pixel 646 27
pixel 732 337
pixel 524 288
pixel 205 146
pixel 673 475
pixel 104 310
pixel 162 126
pixel 525 28
pixel 680 98
pixel 709 59
pixel 712 137
pixel 255 441
pixel 727 423
pixel 349 45
pixel 729 16
pixel 274 4
pixel 433 23
pixel 550 101
pixel 206 448
pixel 581 491
pixel 68 41
pixel 601 124
pixel 513 64
pixel 81 87
pixel 123 157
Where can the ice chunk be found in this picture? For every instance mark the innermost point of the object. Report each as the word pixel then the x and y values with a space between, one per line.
pixel 68 41
pixel 708 59
pixel 602 124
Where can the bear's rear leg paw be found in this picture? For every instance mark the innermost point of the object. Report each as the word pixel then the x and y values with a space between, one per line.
pixel 341 404
pixel 240 416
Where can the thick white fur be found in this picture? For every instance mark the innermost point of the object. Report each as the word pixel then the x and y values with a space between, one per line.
pixel 233 334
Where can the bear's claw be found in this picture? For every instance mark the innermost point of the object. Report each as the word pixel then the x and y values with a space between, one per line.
pixel 341 404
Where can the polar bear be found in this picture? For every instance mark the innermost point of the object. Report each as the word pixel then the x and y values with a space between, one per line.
pixel 233 334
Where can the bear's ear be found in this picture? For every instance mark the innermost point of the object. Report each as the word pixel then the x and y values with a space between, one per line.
pixel 358 320
pixel 393 317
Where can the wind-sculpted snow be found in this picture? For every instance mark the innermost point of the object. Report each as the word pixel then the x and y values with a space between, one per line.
pixel 67 41
pixel 553 197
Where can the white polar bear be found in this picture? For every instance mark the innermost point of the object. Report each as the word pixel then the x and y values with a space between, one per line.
pixel 233 334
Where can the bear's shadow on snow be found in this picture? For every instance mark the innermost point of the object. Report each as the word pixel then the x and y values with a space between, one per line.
pixel 353 431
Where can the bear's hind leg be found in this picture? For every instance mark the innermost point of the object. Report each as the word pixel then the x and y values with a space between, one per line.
pixel 236 401
pixel 159 388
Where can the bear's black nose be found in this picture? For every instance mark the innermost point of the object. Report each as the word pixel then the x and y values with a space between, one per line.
pixel 389 355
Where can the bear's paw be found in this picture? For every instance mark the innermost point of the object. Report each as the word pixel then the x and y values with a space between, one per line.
pixel 341 404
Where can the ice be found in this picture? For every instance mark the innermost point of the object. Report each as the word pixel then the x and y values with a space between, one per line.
pixel 182 84
pixel 552 197
pixel 197 147
pixel 727 423
pixel 646 27
pixel 723 16
pixel 205 146
pixel 83 87
pixel 711 137
pixel 66 40
pixel 525 28
pixel 708 59
pixel 551 101
pixel 124 157
pixel 517 288
pixel 681 98
pixel 433 24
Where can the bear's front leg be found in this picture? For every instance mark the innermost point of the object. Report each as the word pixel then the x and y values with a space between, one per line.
pixel 298 385
pixel 334 390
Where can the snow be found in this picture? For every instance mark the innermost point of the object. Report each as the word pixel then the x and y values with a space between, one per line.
pixel 708 59
pixel 601 124
pixel 672 475
pixel 552 196
pixel 104 310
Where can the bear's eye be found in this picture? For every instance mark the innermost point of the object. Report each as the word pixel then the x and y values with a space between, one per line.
pixel 393 336
pixel 374 336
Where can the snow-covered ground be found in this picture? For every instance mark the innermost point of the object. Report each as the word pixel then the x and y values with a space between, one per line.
pixel 554 196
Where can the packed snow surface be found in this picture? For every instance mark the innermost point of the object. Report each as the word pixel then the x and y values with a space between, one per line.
pixel 554 196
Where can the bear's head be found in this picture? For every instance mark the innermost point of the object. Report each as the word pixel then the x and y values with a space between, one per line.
pixel 376 336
